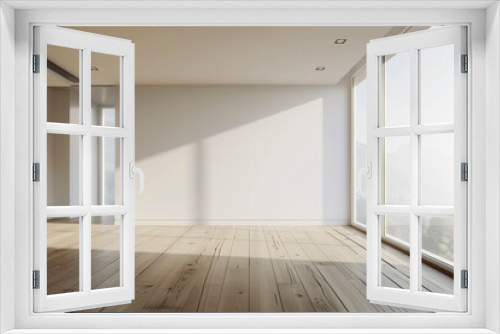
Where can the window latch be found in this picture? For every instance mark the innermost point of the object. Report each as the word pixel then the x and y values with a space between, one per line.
pixel 132 171
pixel 368 171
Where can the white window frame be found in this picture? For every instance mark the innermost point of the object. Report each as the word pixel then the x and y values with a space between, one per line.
pixel 354 172
pixel 475 320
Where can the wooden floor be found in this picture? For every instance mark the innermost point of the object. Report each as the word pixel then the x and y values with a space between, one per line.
pixel 239 268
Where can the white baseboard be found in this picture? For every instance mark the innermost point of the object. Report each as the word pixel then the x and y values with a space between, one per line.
pixel 242 222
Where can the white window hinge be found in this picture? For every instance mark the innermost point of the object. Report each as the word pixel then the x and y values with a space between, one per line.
pixel 465 64
pixel 464 172
pixel 36 279
pixel 36 63
pixel 464 279
pixel 36 172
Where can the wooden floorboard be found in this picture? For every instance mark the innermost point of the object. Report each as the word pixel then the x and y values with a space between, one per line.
pixel 292 292
pixel 214 281
pixel 235 294
pixel 320 292
pixel 176 270
pixel 235 268
pixel 264 293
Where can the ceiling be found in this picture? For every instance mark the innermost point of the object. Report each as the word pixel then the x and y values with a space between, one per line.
pixel 232 55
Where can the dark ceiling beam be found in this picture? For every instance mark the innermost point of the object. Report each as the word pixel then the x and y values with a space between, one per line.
pixel 62 72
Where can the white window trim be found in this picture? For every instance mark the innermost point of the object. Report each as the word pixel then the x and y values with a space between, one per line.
pixel 355 73
pixel 475 320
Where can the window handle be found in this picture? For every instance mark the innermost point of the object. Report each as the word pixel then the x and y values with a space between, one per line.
pixel 132 171
pixel 368 171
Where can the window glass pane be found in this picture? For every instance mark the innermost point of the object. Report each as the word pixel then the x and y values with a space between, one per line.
pixel 63 255
pixel 397 89
pixel 437 236
pixel 63 85
pixel 398 227
pixel 105 259
pixel 105 90
pixel 436 169
pixel 437 85
pixel 396 171
pixel 63 170
pixel 106 175
pixel 395 265
pixel 437 241
pixel 360 129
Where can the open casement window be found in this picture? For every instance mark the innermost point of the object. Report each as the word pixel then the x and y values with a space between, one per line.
pixel 416 195
pixel 83 156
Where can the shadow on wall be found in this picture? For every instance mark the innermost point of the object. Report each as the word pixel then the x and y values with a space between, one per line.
pixel 222 153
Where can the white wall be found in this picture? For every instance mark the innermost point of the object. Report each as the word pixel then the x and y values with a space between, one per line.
pixel 492 186
pixel 7 170
pixel 228 154
pixel 244 154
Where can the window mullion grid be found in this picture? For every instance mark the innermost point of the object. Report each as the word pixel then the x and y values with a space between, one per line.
pixel 85 235
pixel 380 163
pixel 415 263
pixel 418 129
pixel 127 79
pixel 381 148
pixel 123 262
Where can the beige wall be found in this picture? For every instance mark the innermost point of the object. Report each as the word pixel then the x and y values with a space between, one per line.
pixel 58 161
pixel 243 154
pixel 230 154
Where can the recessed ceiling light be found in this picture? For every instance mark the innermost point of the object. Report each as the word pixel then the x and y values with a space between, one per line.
pixel 94 68
pixel 320 68
pixel 340 41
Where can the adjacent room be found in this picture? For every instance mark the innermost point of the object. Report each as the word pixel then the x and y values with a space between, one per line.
pixel 253 142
